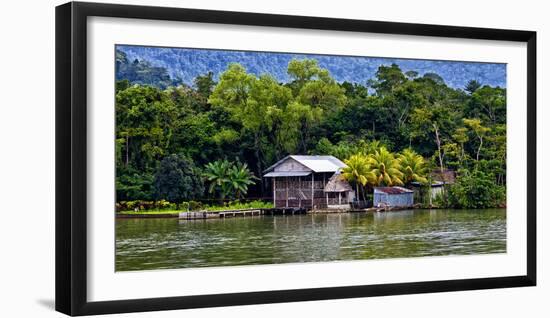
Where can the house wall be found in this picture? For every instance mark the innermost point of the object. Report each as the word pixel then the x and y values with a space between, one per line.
pixel 294 192
pixel 435 191
pixel 395 200
pixel 342 202
pixel 333 199
pixel 291 165
pixel 423 197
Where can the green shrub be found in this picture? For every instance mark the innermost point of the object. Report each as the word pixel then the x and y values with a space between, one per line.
pixel 163 205
pixel 195 205
pixel 236 205
pixel 476 190
pixel 130 205
pixel 141 205
pixel 441 200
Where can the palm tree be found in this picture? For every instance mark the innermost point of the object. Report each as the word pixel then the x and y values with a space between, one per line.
pixel 413 167
pixel 386 168
pixel 217 174
pixel 357 171
pixel 369 147
pixel 239 178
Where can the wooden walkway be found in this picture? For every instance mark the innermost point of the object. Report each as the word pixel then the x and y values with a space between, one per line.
pixel 239 213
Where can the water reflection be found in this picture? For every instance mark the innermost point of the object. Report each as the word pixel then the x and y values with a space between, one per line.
pixel 170 243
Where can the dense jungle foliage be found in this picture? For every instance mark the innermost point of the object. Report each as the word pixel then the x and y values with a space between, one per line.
pixel 210 141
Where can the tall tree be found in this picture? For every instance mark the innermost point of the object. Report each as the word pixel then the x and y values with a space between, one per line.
pixel 297 125
pixel 313 85
pixel 472 86
pixel 177 179
pixel 387 79
pixel 248 99
pixel 461 137
pixel 479 130
pixel 145 119
pixel 489 104
pixel 435 122
pixel 204 85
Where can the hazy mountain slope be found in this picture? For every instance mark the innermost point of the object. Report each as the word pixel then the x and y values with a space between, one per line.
pixel 186 64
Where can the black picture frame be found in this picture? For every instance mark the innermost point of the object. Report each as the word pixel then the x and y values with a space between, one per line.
pixel 71 157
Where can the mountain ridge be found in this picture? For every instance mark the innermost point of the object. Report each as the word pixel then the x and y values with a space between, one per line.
pixel 352 69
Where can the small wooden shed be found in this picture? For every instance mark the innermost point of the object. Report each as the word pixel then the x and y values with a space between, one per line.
pixel 393 197
pixel 338 192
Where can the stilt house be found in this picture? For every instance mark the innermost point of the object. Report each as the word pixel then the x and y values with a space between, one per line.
pixel 309 182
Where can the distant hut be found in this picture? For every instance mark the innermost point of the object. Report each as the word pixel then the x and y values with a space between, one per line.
pixel 440 178
pixel 338 192
pixel 300 181
pixel 393 197
pixel 436 189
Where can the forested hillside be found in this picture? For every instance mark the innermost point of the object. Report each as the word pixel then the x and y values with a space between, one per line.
pixel 212 139
pixel 186 64
pixel 142 72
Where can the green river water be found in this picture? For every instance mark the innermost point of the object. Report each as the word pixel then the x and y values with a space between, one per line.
pixel 144 244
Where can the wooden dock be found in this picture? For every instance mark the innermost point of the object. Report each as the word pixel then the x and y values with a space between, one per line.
pixel 200 215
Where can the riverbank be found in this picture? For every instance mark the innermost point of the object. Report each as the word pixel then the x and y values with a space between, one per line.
pixel 205 214
pixel 222 213
pixel 165 213
pixel 147 214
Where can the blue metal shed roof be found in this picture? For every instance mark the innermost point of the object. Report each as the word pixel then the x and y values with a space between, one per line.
pixel 392 190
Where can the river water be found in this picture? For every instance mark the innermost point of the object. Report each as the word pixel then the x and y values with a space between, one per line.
pixel 143 244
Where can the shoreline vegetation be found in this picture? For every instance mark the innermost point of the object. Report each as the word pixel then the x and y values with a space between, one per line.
pixel 171 208
pixel 252 205
pixel 186 147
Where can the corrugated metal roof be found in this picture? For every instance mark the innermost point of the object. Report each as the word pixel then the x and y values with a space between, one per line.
pixel 434 184
pixel 287 174
pixel 392 190
pixel 315 163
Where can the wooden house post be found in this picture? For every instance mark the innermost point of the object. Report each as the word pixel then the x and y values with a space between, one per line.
pixel 339 198
pixel 324 184
pixel 299 191
pixel 274 192
pixel 287 191
pixel 312 190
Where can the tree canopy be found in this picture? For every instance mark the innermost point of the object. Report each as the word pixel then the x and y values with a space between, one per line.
pixel 397 124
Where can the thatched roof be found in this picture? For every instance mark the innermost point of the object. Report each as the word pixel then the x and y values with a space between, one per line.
pixel 337 183
pixel 447 176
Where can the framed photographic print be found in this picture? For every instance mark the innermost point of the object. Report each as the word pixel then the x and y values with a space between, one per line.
pixel 208 158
